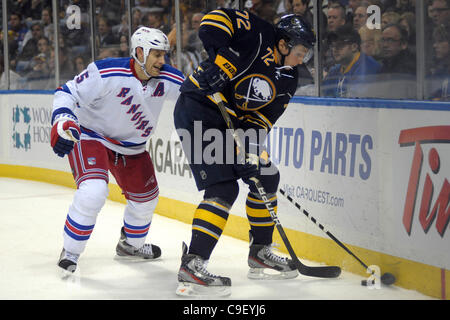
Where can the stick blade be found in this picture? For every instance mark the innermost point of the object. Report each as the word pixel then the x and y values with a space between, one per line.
pixel 320 272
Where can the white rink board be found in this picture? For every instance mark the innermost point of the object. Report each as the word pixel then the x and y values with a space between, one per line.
pixel 345 165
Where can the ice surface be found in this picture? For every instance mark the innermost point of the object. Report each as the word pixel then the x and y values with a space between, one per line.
pixel 32 215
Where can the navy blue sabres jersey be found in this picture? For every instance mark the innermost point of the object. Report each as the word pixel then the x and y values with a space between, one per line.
pixel 260 88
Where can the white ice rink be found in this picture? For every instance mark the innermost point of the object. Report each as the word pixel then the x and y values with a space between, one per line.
pixel 32 215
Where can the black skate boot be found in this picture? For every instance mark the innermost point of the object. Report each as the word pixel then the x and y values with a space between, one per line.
pixel 264 264
pixel 127 251
pixel 68 262
pixel 195 280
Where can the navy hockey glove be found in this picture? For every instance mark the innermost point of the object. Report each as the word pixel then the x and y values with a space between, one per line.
pixel 250 168
pixel 210 78
pixel 65 132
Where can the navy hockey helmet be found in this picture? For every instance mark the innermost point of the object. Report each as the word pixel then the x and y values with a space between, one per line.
pixel 295 30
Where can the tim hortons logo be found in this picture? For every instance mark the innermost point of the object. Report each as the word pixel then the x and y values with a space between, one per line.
pixel 440 211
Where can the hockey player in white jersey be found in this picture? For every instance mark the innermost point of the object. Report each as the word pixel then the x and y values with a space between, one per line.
pixel 102 119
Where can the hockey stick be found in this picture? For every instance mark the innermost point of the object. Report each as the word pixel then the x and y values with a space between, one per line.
pixel 387 278
pixel 320 271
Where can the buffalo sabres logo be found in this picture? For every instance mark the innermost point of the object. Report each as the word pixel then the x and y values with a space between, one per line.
pixel 254 92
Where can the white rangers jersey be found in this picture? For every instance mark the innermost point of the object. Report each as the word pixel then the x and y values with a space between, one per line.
pixel 113 106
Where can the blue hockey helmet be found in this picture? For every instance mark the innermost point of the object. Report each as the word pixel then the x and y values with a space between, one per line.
pixel 294 29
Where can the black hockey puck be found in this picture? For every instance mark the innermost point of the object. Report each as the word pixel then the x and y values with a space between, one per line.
pixel 387 279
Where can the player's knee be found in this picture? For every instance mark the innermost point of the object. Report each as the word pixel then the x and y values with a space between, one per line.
pixel 227 191
pixel 270 182
pixel 91 196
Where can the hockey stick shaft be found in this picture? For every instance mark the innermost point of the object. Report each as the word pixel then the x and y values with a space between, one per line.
pixel 324 272
pixel 328 233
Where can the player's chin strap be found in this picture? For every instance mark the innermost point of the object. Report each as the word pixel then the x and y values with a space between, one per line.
pixel 283 57
pixel 142 65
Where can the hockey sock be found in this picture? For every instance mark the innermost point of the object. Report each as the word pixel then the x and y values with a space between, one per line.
pixel 137 220
pixel 209 221
pixel 77 233
pixel 261 223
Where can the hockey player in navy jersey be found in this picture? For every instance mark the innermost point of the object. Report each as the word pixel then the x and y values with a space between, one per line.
pixel 252 65
pixel 102 120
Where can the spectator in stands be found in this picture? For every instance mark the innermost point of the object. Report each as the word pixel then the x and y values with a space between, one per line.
pixel 47 21
pixel 121 28
pixel 30 48
pixel 136 19
pixel 396 56
pixel 124 49
pixel 408 21
pixel 189 61
pixel 12 47
pixel 335 17
pixel 441 41
pixel 20 29
pixel 193 42
pixel 440 70
pixel 440 12
pixel 300 7
pixel 354 71
pixel 360 16
pixel 105 36
pixel 371 42
pixel 154 19
pixel 66 68
pixel 80 64
pixel 352 6
pixel 397 79
pixel 389 17
pixel 36 7
pixel 39 73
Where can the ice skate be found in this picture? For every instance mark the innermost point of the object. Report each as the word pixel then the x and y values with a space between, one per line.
pixel 264 264
pixel 68 262
pixel 126 251
pixel 195 280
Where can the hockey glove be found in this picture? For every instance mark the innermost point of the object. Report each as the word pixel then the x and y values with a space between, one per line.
pixel 210 78
pixel 250 168
pixel 65 132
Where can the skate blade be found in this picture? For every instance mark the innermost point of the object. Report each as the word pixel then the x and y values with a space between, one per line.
pixel 270 274
pixel 65 274
pixel 189 289
pixel 134 258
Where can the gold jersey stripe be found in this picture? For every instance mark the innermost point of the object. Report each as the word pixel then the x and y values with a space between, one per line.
pixel 217 25
pixel 220 16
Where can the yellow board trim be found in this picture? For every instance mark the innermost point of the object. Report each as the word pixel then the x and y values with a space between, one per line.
pixel 410 274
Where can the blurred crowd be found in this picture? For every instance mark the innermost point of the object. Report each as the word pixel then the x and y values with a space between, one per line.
pixel 368 47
